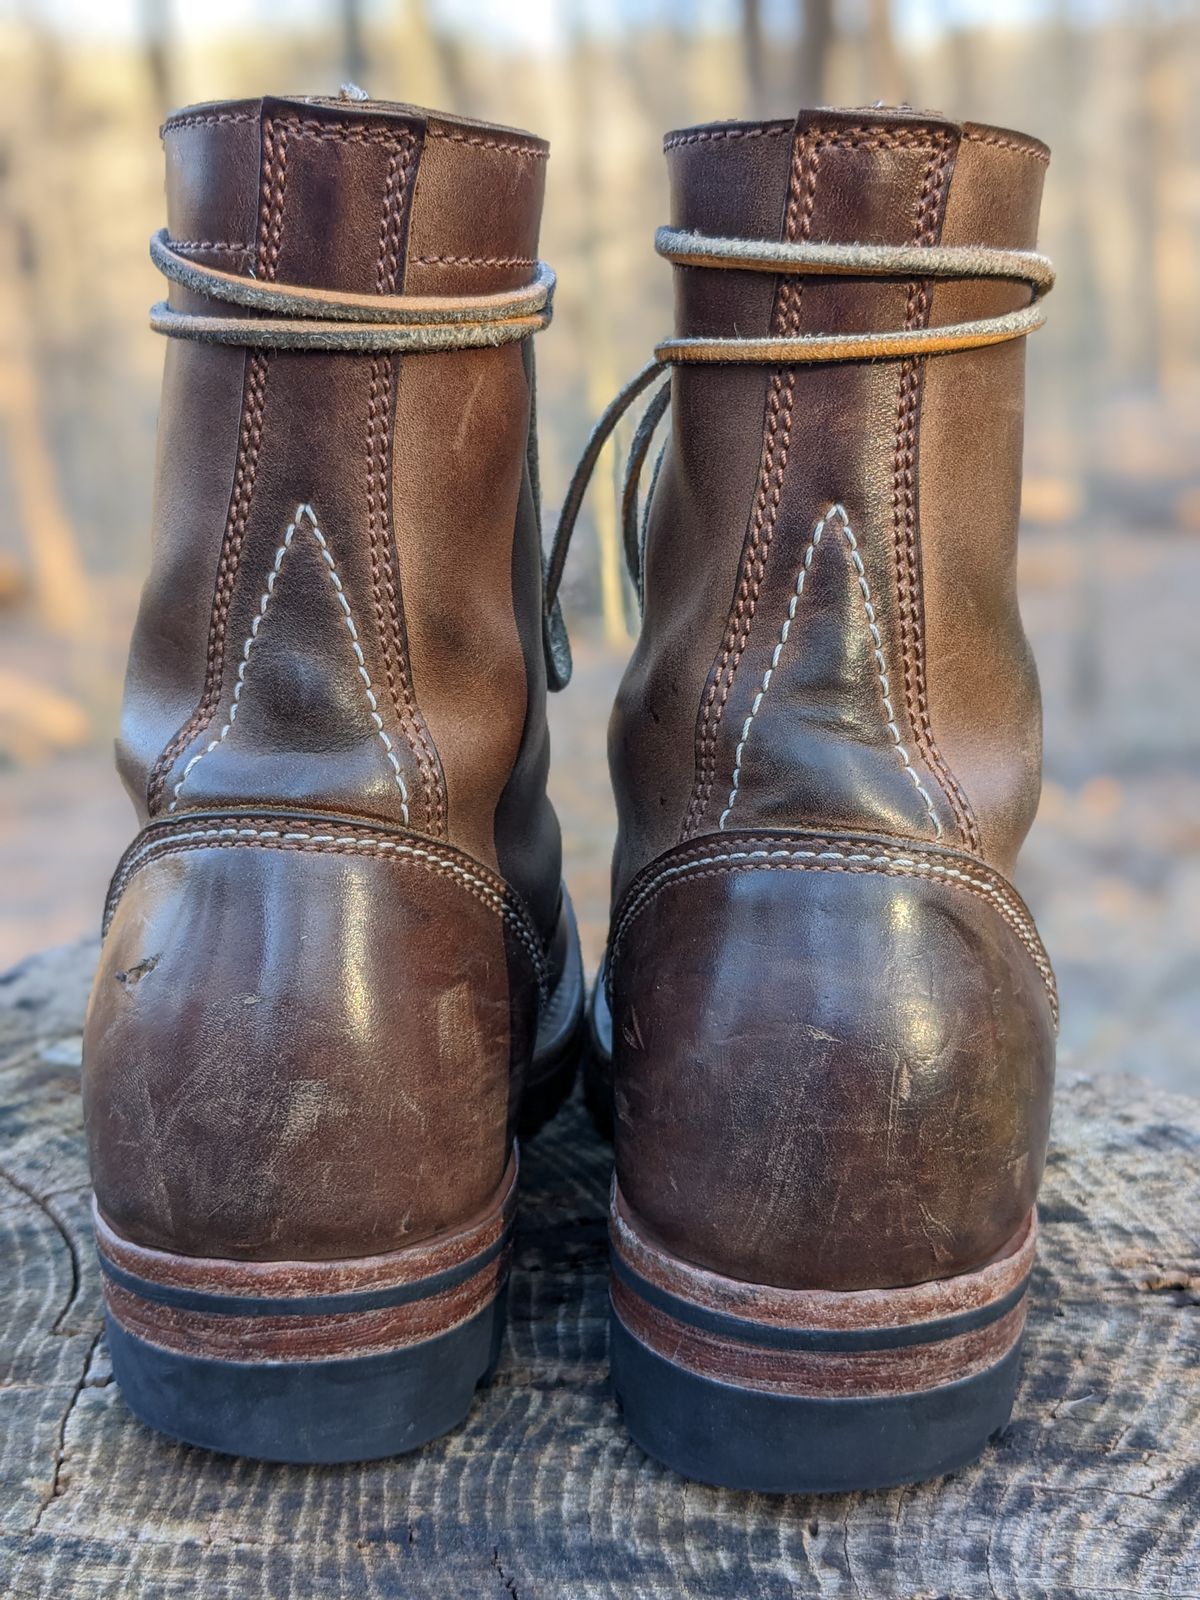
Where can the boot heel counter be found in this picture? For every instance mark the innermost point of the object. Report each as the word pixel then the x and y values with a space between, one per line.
pixel 303 1046
pixel 833 1059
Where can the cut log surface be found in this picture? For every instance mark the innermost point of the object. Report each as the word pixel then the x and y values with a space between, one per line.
pixel 1093 1489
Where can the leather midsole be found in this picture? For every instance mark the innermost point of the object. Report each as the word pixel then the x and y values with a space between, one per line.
pixel 819 1342
pixel 310 1310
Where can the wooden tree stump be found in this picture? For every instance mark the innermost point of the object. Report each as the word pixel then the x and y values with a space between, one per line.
pixel 1093 1490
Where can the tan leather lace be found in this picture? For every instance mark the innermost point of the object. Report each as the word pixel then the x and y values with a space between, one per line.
pixel 324 319
pixel 809 258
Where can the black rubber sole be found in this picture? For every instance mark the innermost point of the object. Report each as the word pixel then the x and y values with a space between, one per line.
pixel 360 1408
pixel 740 1438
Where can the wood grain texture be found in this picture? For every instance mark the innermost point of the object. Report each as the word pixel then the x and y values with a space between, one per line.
pixel 1093 1490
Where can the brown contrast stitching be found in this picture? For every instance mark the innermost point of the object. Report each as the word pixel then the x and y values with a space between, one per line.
pixel 224 246
pixel 239 832
pixel 388 264
pixel 823 855
pixel 489 142
pixel 211 120
pixel 926 223
pixel 777 436
pixel 475 261
pixel 1000 143
pixel 706 134
pixel 383 577
pixel 355 131
pixel 777 441
pixel 862 136
pixel 868 138
pixel 270 237
pixel 345 132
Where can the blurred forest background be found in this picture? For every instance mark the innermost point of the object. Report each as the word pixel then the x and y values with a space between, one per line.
pixel 1111 553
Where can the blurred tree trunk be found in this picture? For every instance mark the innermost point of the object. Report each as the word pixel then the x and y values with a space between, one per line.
pixel 752 54
pixel 440 58
pixel 884 66
pixel 156 35
pixel 1170 96
pixel 603 379
pixel 816 42
pixel 57 575
pixel 354 53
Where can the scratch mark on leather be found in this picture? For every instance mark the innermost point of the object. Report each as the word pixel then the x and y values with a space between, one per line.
pixel 840 512
pixel 305 519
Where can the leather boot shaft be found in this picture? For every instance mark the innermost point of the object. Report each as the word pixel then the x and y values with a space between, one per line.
pixel 329 951
pixel 908 702
pixel 343 608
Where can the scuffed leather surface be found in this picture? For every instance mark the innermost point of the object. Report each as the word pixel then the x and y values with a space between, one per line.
pixel 320 1052
pixel 826 1078
pixel 301 1054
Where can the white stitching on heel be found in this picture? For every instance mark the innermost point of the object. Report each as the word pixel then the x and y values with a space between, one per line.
pixel 834 511
pixel 307 517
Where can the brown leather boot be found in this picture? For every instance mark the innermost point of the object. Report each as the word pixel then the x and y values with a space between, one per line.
pixel 338 966
pixel 832 1019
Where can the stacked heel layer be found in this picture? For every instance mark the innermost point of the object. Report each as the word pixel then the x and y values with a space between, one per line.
pixel 749 1386
pixel 310 1361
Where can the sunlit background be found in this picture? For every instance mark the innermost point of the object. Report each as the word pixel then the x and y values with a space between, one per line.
pixel 1111 551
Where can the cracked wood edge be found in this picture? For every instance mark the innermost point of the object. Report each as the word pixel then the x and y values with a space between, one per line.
pixel 1093 1490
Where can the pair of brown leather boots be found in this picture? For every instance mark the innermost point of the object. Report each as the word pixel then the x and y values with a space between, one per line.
pixel 340 972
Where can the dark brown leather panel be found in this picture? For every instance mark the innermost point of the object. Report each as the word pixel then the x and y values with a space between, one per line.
pixel 417 520
pixel 723 184
pixel 755 462
pixel 983 688
pixel 212 195
pixel 318 999
pixel 302 1051
pixel 475 226
pixel 528 839
pixel 456 502
pixel 477 208
pixel 829 439
pixel 330 201
pixel 467 527
pixel 829 1073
